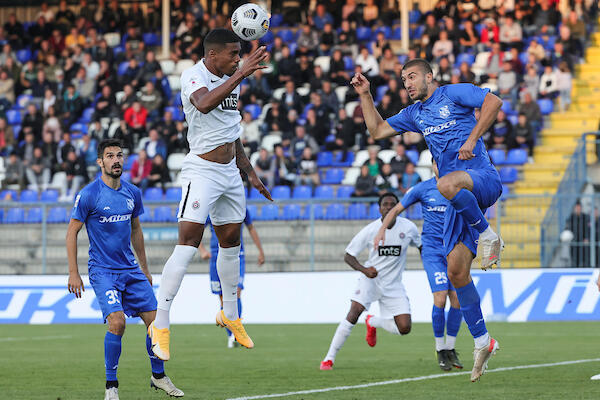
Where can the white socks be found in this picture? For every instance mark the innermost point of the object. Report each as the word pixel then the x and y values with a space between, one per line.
pixel 341 334
pixel 228 268
pixel 482 340
pixel 172 276
pixel 450 342
pixel 387 324
pixel 440 344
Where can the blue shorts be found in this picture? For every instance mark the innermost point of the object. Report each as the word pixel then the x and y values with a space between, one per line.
pixel 436 267
pixel 129 292
pixel 215 281
pixel 487 189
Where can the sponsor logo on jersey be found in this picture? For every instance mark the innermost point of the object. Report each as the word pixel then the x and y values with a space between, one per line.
pixel 444 112
pixel 130 204
pixel 438 128
pixel 386 251
pixel 436 208
pixel 106 208
pixel 115 218
pixel 230 103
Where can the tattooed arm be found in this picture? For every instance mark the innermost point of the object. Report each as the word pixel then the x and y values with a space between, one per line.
pixel 244 165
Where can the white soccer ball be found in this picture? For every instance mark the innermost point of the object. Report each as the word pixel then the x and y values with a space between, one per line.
pixel 250 22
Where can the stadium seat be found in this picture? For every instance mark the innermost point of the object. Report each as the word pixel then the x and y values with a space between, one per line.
pixel 175 161
pixel 324 62
pixel 340 92
pixel 267 38
pixel 316 209
pixel 182 65
pixel 173 194
pixel 357 211
pixel 414 16
pixel 255 195
pixel 122 68
pixel 417 32
pixel 129 161
pixel 162 214
pixel 49 196
pixel 15 216
pixel 415 211
pixel 360 158
pixel 413 156
pixel 516 156
pixel 498 156
pixel 490 213
pixel 126 176
pixel 324 159
pixel 23 55
pixel 86 117
pixel 153 194
pixel 546 106
pixel 252 210
pixel 22 101
pixel 335 211
pixel 465 57
pixel 167 66
pixel 77 127
pixel 276 20
pixel 146 216
pixel 269 212
pixel 151 39
pixel 363 33
pixel 302 192
pixel 281 192
pixel 57 215
pixel 338 159
pixel 505 192
pixel 28 196
pixel 352 174
pixel 176 112
pixel 174 82
pixel 333 176
pixel 13 117
pixel 345 192
pixel 8 195
pixel 397 33
pixel 348 63
pixel 508 174
pixel 269 142
pixel 324 192
pixel 34 216
pixel 253 109
pixel 374 211
pixel 286 35
pixel 291 211
pixel 381 90
pixel 112 39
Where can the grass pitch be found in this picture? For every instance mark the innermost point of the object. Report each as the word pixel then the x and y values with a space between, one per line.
pixel 67 362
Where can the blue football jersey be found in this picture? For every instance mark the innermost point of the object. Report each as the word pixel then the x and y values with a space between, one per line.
pixel 433 205
pixel 446 120
pixel 107 215
pixel 214 243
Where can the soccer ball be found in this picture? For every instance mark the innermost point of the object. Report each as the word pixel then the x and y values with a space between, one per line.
pixel 250 22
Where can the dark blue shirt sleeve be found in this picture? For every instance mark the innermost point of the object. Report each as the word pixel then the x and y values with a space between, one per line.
pixel 466 94
pixel 138 208
pixel 403 122
pixel 248 219
pixel 411 197
pixel 82 206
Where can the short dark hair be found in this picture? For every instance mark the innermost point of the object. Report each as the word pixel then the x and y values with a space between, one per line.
pixel 387 194
pixel 107 143
pixel 218 38
pixel 421 63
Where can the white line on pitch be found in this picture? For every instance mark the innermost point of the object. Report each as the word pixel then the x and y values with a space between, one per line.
pixel 23 339
pixel 417 378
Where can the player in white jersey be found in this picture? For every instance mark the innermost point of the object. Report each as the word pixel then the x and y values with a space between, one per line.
pixel 381 280
pixel 212 184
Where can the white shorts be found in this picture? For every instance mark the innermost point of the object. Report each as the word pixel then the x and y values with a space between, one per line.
pixel 367 292
pixel 210 188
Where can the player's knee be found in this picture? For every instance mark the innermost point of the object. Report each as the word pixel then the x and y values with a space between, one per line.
pixel 404 327
pixel 458 275
pixel 447 187
pixel 439 298
pixel 116 324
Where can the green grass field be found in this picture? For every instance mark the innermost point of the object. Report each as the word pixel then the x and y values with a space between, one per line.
pixel 67 362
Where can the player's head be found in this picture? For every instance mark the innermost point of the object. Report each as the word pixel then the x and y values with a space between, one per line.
pixel 386 202
pixel 417 76
pixel 222 50
pixel 110 157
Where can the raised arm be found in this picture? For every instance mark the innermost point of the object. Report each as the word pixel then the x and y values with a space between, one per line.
pixel 256 239
pixel 391 215
pixel 377 126
pixel 489 111
pixel 75 284
pixel 137 240
pixel 243 163
pixel 370 272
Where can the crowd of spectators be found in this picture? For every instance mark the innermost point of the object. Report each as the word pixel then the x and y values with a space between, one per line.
pixel 72 85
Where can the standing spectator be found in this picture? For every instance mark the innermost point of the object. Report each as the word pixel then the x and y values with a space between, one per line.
pixel 140 169
pixel 523 135
pixel 564 80
pixel 14 173
pixel 308 173
pixel 400 160
pixel 159 174
pixel 409 179
pixel 38 171
pixel 365 184
pixel 265 167
pixel 548 83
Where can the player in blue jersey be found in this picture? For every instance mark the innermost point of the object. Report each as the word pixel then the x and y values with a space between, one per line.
pixel 110 210
pixel 434 262
pixel 446 118
pixel 215 281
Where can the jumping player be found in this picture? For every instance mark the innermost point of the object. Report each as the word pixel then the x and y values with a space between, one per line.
pixel 110 209
pixel 212 184
pixel 381 280
pixel 446 118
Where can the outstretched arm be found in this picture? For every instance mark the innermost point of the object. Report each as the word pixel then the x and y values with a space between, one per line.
pixel 489 112
pixel 243 163
pixel 391 215
pixel 377 126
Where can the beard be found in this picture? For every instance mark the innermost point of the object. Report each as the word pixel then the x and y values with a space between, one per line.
pixel 114 174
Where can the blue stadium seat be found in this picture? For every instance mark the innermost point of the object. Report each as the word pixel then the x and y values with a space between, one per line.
pixel 173 194
pixel 387 32
pixel 363 33
pixel 254 110
pixel 151 39
pixel 77 127
pixel 126 176
pixel 286 35
pixel 335 211
pixel 324 192
pixel 345 192
pixel 524 57
pixel 415 211
pixel 176 112
pixel 508 174
pixel 338 156
pixel 498 156
pixel 49 196
pixel 357 211
pixel 267 38
pixel 34 216
pixel 374 211
pixel 252 210
pixel 417 32
pixel 15 216
pixel 516 156
pixel 505 192
pixel 23 55
pixel 153 194
pixel 381 90
pixel 317 209
pixel 8 195
pixel 413 156
pixel 255 195
pixel 324 159
pixel 333 176
pixel 397 33
pixel 513 119
pixel 302 192
pixel 146 216
pixel 129 161
pixel 163 214
pixel 414 16
pixel 269 212
pixel 57 215
pixel 13 117
pixel 276 20
pixel 348 63
pixel 291 211
pixel 86 117
pixel 507 107
pixel 122 67
pixel 546 106
pixel 28 196
pixel 281 192
pixel 22 101
pixel 465 57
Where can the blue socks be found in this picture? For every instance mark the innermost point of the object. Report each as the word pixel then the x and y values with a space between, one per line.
pixel 239 304
pixel 453 321
pixel 158 365
pixel 112 352
pixel 471 309
pixel 437 320
pixel 466 205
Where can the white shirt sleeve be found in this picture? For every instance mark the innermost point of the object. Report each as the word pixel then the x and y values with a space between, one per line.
pixel 359 242
pixel 192 82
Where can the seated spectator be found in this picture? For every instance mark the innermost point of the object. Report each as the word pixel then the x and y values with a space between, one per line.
pixel 328 97
pixel 379 46
pixel 337 69
pixel 159 174
pixel 444 72
pixel 124 134
pixel 345 134
pixel 531 83
pixel 140 169
pixel 399 161
pixel 494 65
pixel 148 71
pixel 300 142
pixel 548 83
pixel 374 162
pixel 387 180
pixel 52 125
pixel 317 127
pixel 316 80
pixel 258 85
pixel 385 108
pixel 564 80
pixel 265 167
pixel 328 39
pixel 515 61
pixel 387 63
pixel 367 62
pixel 511 33
pixel 409 179
pixel 307 41
pixel 469 38
pixel 74 38
pixel 501 133
pixel 14 173
pixel 347 41
pixel 291 99
pixel 365 184
pixel 62 150
pixel 7 89
pixel 86 149
pixel 136 117
pixel 536 50
pixel 490 34
pixel 38 171
pixel 507 83
pixel 466 75
pixel 370 13
pixel 287 66
pixel 26 147
pixel 155 145
pixel 34 119
pixel 7 138
pixel 285 169
pixel 49 100
pixel 523 135
pixel 151 100
pixel 443 47
pixel 308 173
pixel 321 17
pixel 106 105
pixel 77 176
pixel 72 106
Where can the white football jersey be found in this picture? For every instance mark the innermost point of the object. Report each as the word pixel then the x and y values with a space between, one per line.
pixel 222 124
pixel 390 259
